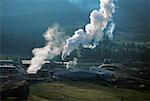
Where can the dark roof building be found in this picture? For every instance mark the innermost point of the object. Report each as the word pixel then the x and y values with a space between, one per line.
pixel 82 75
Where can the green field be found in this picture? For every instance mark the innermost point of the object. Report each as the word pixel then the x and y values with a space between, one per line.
pixel 75 91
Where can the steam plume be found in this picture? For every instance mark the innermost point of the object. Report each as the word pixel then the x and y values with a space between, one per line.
pixel 54 44
pixel 94 31
pixel 71 64
pixel 110 29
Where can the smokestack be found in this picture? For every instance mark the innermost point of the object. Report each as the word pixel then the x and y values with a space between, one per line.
pixel 54 44
pixel 94 31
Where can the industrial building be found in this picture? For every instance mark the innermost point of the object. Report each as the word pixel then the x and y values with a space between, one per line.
pixel 83 75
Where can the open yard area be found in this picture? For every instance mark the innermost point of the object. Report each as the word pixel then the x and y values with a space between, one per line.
pixel 77 91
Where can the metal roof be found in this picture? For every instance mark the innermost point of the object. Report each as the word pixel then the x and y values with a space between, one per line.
pixel 11 66
pixel 29 61
pixel 108 65
pixel 6 60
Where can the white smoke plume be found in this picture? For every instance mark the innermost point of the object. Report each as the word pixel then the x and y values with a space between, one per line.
pixel 71 64
pixel 94 31
pixel 110 30
pixel 54 45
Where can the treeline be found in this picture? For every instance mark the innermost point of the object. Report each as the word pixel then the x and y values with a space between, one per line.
pixel 124 52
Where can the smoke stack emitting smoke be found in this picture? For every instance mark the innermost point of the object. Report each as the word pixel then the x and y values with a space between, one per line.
pixel 94 31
